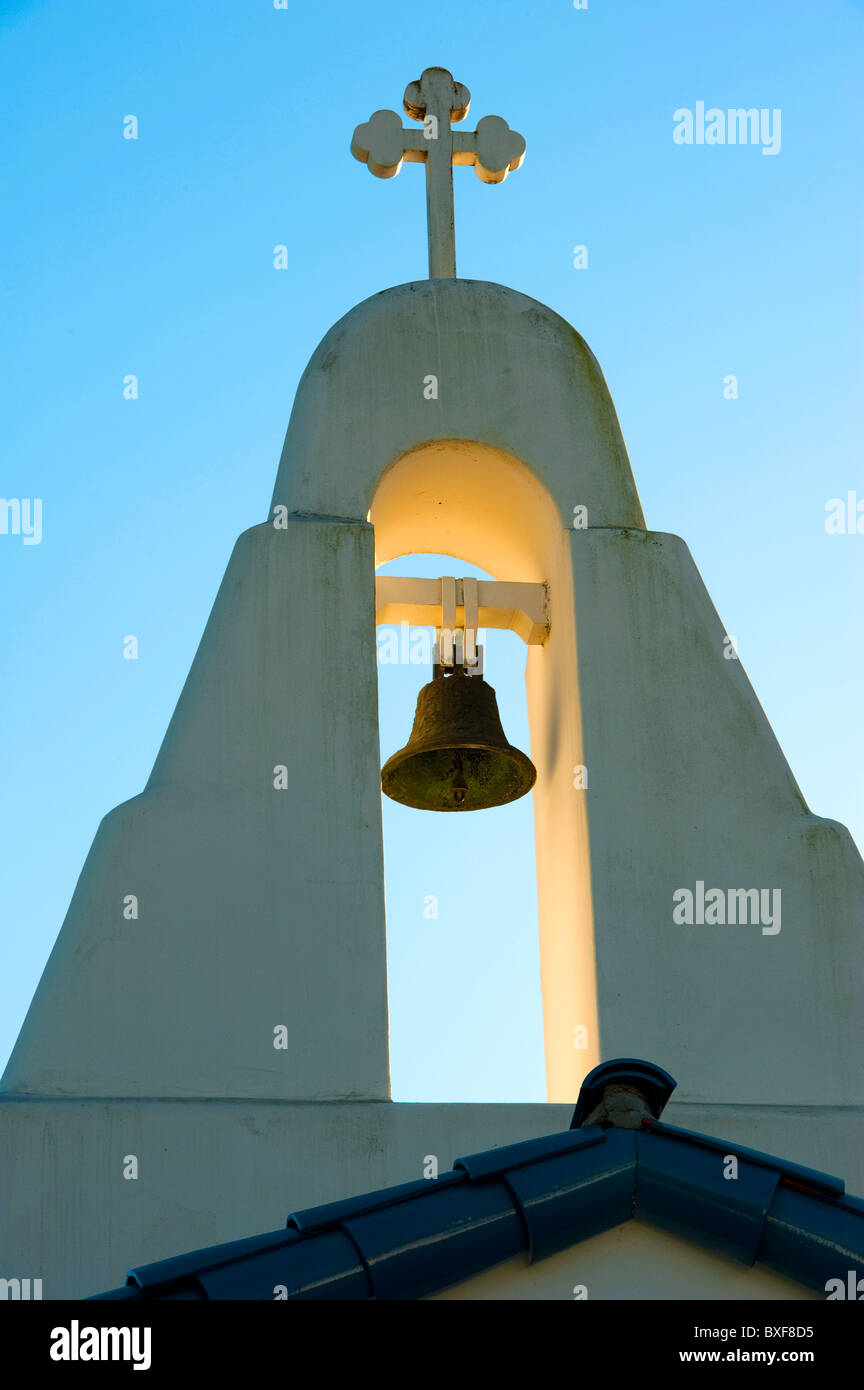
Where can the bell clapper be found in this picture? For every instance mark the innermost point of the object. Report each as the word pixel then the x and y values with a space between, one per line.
pixel 458 785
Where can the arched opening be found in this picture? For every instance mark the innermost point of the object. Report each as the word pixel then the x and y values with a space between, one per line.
pixel 460 498
pixel 465 505
pixel 463 963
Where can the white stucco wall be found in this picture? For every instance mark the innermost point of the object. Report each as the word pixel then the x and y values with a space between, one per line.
pixel 218 1170
pixel 257 907
pixel 260 908
pixel 208 1171
pixel 686 781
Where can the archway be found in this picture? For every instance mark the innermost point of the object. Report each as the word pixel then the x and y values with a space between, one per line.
pixel 478 503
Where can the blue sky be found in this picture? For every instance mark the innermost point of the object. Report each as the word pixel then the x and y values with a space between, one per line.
pixel 154 257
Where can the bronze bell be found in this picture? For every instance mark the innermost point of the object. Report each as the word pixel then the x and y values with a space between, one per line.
pixel 457 758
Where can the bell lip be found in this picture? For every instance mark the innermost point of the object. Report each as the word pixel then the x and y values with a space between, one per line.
pixel 515 753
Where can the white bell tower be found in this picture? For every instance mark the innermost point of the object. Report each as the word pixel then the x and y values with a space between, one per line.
pixel 233 1037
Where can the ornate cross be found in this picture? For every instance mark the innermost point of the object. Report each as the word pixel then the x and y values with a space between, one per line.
pixel 436 100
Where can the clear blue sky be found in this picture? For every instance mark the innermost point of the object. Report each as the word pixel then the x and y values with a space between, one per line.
pixel 154 257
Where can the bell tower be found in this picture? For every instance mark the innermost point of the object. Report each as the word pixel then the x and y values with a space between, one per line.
pixel 234 1037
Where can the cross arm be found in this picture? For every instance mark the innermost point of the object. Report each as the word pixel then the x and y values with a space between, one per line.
pixel 383 144
pixel 493 148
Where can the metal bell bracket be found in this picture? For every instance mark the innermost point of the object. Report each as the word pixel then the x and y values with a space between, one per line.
pixel 472 668
pixel 457 646
pixel 491 603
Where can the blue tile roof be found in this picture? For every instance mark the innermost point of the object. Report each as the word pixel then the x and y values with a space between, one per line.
pixel 534 1198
